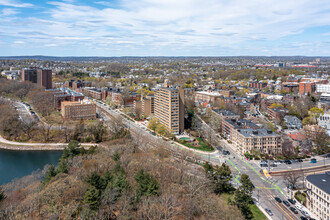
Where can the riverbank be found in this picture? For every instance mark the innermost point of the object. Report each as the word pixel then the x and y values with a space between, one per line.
pixel 18 146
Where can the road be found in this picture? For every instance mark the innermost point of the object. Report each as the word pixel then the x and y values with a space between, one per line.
pixel 266 190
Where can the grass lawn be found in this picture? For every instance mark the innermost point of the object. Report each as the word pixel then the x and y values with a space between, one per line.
pixel 300 197
pixel 202 145
pixel 257 214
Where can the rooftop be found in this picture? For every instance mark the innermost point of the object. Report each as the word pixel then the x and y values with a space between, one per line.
pixel 322 181
pixel 241 123
pixel 260 132
pixel 209 93
pixel 225 112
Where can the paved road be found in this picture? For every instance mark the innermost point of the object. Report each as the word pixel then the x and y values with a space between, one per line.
pixel 266 189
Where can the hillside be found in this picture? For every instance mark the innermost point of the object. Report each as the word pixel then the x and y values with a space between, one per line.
pixel 117 181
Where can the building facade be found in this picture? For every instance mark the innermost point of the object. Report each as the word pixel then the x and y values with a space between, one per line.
pixel 145 107
pixel 323 88
pixel 206 97
pixel 169 108
pixel 318 198
pixel 42 77
pixel 262 140
pixel 78 110
pixel 230 127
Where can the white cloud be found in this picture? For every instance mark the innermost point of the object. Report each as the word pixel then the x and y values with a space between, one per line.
pixel 171 24
pixel 13 3
pixel 8 12
pixel 19 42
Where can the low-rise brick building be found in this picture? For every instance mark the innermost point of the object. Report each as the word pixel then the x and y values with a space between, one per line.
pixel 78 110
pixel 230 126
pixel 262 140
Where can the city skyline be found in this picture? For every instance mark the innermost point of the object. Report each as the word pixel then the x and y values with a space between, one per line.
pixel 164 28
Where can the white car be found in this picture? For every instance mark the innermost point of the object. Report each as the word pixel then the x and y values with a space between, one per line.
pixel 299 207
pixel 305 213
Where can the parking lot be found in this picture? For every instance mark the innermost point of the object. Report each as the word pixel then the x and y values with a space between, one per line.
pixel 281 165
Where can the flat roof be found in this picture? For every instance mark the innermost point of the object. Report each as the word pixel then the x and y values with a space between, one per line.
pixel 209 93
pixel 322 181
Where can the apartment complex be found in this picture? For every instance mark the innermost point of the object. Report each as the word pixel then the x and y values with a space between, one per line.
pixel 307 87
pixel 42 77
pixel 263 140
pixel 169 108
pixel 257 85
pixel 78 110
pixel 226 114
pixel 318 198
pixel 323 88
pixel 145 107
pixel 230 127
pixel 206 96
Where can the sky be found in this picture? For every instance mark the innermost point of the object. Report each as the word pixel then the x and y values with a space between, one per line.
pixel 165 28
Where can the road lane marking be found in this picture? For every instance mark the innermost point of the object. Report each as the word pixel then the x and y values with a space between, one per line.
pixel 283 210
pixel 239 172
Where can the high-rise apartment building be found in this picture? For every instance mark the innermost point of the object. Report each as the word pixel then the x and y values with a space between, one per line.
pixel 169 108
pixel 42 77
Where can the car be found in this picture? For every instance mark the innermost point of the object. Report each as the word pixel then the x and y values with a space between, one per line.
pixel 269 212
pixel 278 199
pixel 278 162
pixel 299 207
pixel 273 165
pixel 305 213
pixel 263 165
pixel 292 201
pixel 264 161
pixel 287 162
pixel 294 210
pixel 300 160
pixel 286 203
pixel 313 160
pixel 328 156
pixel 303 218
pixel 293 161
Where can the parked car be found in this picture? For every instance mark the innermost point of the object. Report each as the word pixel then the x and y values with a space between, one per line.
pixel 313 160
pixel 328 156
pixel 278 199
pixel 294 210
pixel 286 203
pixel 273 165
pixel 292 201
pixel 264 161
pixel 299 207
pixel 305 213
pixel 303 218
pixel 300 160
pixel 263 165
pixel 278 162
pixel 287 162
pixel 269 212
pixel 293 161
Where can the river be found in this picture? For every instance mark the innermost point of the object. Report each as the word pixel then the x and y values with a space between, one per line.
pixel 16 164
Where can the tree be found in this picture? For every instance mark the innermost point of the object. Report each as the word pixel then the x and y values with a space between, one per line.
pixel 62 166
pixel 316 112
pixel 2 194
pixel 147 184
pixel 72 150
pixel 243 196
pixel 292 178
pixel 98 132
pixel 92 197
pixel 163 130
pixel 153 123
pixel 49 174
pixel 95 180
pixel 221 178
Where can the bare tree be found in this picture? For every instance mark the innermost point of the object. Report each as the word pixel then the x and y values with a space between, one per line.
pixel 292 178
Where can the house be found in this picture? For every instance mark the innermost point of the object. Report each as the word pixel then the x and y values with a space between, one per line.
pixel 292 122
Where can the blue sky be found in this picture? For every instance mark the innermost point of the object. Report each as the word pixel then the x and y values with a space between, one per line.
pixel 165 27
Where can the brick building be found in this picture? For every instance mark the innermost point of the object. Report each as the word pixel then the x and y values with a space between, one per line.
pixel 276 113
pixel 42 77
pixel 230 126
pixel 206 96
pixel 169 108
pixel 78 110
pixel 145 107
pixel 257 85
pixel 64 94
pixel 262 140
